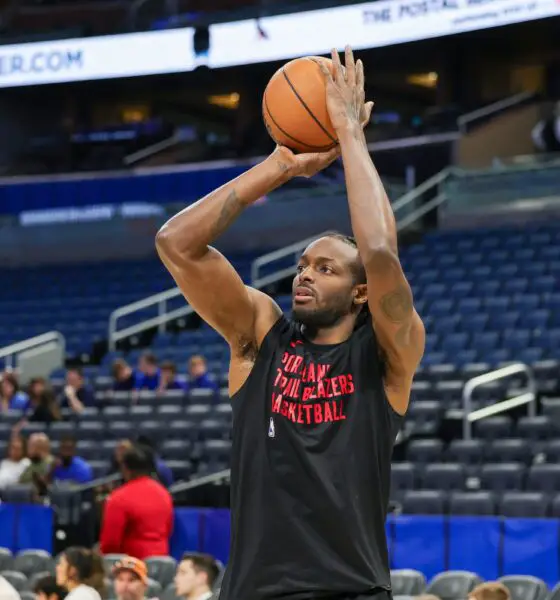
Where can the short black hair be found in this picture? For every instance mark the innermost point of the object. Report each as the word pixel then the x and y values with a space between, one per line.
pixel 48 586
pixel 150 358
pixel 205 563
pixel 138 461
pixel 77 370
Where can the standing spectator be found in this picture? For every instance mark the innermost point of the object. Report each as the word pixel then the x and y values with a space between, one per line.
pixel 124 378
pixel 138 518
pixel 148 373
pixel 196 576
pixel 81 572
pixel 15 463
pixel 162 471
pixel 493 590
pixel 46 588
pixel 39 452
pixel 7 591
pixel 168 377
pixel 11 397
pixel 69 467
pixel 77 395
pixel 199 378
pixel 130 579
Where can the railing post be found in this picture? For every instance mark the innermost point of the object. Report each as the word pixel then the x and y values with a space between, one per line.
pixel 162 308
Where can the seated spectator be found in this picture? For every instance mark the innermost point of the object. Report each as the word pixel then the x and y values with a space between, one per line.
pixel 46 588
pixel 77 395
pixel 11 397
pixel 130 579
pixel 7 590
pixel 124 378
pixel 35 389
pixel 47 409
pixel 196 576
pixel 148 374
pixel 138 516
pixel 168 377
pixel 39 470
pixel 69 467
pixel 199 378
pixel 82 573
pixel 15 463
pixel 161 470
pixel 493 590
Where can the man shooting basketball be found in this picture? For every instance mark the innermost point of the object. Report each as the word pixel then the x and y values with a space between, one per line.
pixel 318 400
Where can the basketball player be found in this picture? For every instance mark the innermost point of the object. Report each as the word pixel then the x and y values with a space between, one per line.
pixel 318 400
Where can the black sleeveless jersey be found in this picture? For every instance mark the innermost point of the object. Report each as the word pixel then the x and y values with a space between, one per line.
pixel 313 435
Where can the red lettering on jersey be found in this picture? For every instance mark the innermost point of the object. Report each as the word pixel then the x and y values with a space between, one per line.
pixel 338 411
pixel 321 393
pixel 306 394
pixel 284 409
pixel 342 382
pixel 311 372
pixel 328 412
pixel 350 384
pixel 300 413
pixel 285 358
pixel 291 388
pixel 276 403
pixel 292 411
pixel 335 390
pixel 318 413
pixel 328 387
pixel 307 408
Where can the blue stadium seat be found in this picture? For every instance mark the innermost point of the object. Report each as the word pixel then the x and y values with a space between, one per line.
pixel 444 476
pixel 494 428
pixel 544 478
pixel 425 451
pixel 472 503
pixel 524 504
pixel 403 478
pixel 509 450
pixel 502 477
pixel 424 502
pixel 466 452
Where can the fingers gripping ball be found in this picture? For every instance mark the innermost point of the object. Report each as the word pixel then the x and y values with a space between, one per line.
pixel 295 106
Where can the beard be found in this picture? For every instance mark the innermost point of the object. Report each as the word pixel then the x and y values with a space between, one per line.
pixel 315 318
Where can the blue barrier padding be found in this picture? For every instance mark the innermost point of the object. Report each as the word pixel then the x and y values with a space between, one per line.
pixel 531 547
pixel 186 532
pixel 420 544
pixel 474 545
pixel 34 528
pixel 7 526
pixel 217 534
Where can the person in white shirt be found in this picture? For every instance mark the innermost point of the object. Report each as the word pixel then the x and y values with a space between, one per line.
pixel 196 576
pixel 7 590
pixel 82 573
pixel 15 463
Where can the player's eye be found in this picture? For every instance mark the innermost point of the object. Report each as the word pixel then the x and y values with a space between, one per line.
pixel 300 268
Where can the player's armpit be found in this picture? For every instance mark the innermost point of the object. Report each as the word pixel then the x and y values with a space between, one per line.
pixel 398 327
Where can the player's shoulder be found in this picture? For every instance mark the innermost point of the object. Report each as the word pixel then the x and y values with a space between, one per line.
pixel 267 313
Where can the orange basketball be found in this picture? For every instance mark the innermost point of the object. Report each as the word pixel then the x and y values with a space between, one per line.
pixel 295 106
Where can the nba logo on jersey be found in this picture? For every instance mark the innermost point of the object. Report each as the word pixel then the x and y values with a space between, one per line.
pixel 271 430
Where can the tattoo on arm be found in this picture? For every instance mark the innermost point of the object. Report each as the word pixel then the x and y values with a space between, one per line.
pixel 397 305
pixel 230 211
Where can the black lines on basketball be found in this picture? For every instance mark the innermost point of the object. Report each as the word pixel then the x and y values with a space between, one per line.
pixel 309 111
pixel 288 135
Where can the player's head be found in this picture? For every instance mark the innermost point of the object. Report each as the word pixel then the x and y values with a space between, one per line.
pixel 196 575
pixel 330 283
pixel 493 590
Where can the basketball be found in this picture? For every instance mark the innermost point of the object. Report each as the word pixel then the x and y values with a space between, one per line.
pixel 295 107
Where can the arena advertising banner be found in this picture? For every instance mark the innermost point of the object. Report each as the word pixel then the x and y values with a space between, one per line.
pixel 366 25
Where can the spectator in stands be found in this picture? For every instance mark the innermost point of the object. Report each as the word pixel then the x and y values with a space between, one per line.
pixel 162 471
pixel 46 588
pixel 138 517
pixel 199 378
pixel 168 377
pixel 492 590
pixel 148 375
pixel 130 579
pixel 15 463
pixel 427 597
pixel 39 452
pixel 77 395
pixel 46 410
pixel 124 378
pixel 196 576
pixel 81 572
pixel 69 467
pixel 11 397
pixel 7 591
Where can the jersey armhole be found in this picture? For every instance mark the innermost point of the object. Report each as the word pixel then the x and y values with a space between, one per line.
pixel 268 342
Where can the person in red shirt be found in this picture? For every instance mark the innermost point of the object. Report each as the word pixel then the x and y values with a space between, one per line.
pixel 138 516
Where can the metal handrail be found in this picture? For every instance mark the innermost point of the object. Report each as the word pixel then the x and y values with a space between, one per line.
pixel 45 338
pixel 194 483
pixel 527 397
pixel 495 107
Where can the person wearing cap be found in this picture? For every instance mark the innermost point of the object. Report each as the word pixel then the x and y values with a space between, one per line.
pixel 130 579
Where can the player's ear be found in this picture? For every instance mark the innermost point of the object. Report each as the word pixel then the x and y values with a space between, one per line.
pixel 360 294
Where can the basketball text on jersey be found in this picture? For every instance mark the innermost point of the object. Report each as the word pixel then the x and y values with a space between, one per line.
pixel 299 383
